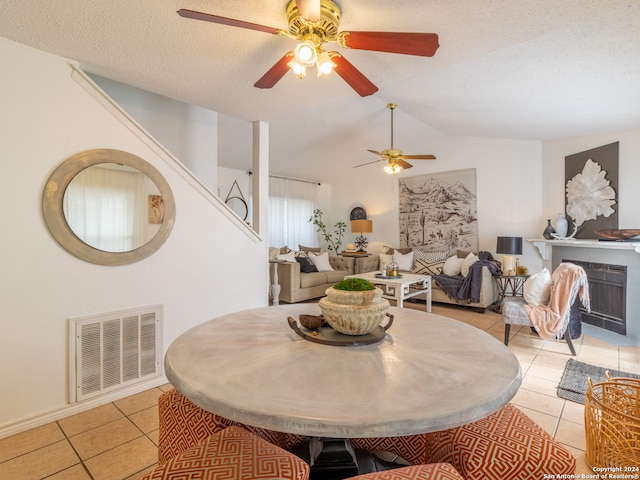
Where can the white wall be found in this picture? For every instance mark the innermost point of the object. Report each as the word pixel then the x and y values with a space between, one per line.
pixel 509 191
pixel 198 274
pixel 189 132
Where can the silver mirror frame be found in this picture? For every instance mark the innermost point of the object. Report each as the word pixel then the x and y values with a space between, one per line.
pixel 53 197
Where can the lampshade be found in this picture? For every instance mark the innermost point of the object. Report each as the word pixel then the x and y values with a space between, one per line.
pixel 392 168
pixel 361 226
pixel 324 63
pixel 509 245
pixel 305 53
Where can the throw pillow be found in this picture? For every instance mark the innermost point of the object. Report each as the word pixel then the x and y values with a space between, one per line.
pixel 288 257
pixel 429 256
pixel 466 264
pixel 309 249
pixel 537 288
pixel 305 265
pixel 424 267
pixel 452 266
pixel 464 253
pixel 404 251
pixel 321 261
pixel 404 261
pixel 285 249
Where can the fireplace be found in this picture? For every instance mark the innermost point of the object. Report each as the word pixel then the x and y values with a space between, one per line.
pixel 608 292
pixel 623 261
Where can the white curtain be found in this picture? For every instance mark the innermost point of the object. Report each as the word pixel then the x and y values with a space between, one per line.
pixel 291 205
pixel 106 208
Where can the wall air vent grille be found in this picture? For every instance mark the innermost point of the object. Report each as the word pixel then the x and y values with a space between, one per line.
pixel 114 350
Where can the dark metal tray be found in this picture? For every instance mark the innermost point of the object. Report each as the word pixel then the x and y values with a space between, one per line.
pixel 328 336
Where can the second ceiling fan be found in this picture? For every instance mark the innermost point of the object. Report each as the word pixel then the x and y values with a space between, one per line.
pixel 396 160
pixel 313 23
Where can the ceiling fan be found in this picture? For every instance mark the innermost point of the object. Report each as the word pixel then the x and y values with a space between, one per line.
pixel 395 159
pixel 313 23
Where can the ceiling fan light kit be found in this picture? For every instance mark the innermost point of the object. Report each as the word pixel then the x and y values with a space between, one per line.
pixel 312 23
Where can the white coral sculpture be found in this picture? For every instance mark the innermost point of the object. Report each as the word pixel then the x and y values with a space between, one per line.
pixel 589 194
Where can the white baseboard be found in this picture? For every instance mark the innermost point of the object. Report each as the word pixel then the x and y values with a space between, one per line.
pixel 24 424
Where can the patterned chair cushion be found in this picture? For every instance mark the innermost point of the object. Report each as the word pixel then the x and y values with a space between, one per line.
pixel 232 453
pixel 183 424
pixel 434 471
pixel 411 448
pixel 506 444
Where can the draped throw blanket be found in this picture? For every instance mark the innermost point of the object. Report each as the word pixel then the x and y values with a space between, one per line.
pixel 569 281
pixel 467 289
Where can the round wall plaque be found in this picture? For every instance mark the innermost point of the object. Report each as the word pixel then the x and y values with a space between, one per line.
pixel 358 213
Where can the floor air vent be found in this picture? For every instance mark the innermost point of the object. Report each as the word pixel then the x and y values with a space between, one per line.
pixel 113 350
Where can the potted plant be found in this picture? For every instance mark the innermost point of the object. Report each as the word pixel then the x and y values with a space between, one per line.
pixel 354 306
pixel 333 240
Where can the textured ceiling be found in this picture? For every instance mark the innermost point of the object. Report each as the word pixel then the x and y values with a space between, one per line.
pixel 522 69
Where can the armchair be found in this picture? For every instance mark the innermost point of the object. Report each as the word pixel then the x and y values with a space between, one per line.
pixel 568 283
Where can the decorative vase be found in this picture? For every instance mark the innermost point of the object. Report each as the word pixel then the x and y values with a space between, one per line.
pixel 353 312
pixel 562 226
pixel 549 230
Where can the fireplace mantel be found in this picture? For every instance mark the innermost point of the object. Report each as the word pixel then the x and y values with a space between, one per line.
pixel 545 246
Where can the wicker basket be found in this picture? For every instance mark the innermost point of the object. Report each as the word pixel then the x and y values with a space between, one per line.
pixel 612 423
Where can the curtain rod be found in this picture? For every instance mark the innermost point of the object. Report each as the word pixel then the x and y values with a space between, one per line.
pixel 293 179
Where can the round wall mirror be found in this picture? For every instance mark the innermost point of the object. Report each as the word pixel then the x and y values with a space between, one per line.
pixel 239 207
pixel 108 207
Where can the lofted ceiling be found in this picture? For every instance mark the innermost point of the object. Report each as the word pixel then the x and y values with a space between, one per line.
pixel 521 69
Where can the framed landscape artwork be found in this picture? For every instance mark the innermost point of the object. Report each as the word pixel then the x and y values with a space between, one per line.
pixel 438 211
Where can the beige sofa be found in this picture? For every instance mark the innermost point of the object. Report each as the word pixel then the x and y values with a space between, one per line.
pixel 488 293
pixel 297 286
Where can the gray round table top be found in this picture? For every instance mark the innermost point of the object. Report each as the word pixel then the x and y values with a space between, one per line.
pixel 430 373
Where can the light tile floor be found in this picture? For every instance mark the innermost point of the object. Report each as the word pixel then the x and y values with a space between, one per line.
pixel 119 440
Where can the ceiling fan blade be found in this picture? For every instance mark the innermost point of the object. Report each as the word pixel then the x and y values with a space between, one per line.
pixel 368 163
pixel 375 152
pixel 207 17
pixel 419 157
pixel 309 9
pixel 350 74
pixel 275 73
pixel 403 164
pixel 421 44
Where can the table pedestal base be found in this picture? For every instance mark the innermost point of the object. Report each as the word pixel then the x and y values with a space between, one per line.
pixel 335 459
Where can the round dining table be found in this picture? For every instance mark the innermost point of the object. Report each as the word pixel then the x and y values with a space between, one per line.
pixel 428 373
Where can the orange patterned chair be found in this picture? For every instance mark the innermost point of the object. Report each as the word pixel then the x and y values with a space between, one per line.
pixel 506 444
pixel 183 424
pixel 232 453
pixel 434 471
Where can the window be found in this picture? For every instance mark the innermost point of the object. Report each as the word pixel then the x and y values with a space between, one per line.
pixel 291 205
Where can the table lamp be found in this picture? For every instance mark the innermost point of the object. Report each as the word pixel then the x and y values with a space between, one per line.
pixel 509 247
pixel 361 226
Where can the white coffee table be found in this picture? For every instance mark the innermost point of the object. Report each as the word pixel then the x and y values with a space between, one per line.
pixel 399 288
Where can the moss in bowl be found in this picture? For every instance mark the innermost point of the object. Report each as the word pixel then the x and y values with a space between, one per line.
pixel 355 285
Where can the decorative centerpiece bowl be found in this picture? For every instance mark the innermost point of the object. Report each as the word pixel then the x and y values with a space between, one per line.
pixel 354 307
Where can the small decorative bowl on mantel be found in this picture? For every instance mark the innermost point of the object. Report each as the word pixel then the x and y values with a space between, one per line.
pixel 354 306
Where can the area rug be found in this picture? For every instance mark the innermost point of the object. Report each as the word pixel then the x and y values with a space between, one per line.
pixel 573 385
